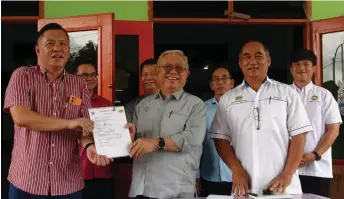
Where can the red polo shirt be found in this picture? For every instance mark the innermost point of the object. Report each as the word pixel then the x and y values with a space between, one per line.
pixel 91 171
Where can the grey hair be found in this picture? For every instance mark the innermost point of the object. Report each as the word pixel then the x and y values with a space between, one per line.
pixel 176 52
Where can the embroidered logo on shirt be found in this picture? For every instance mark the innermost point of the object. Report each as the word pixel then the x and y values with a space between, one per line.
pixel 237 98
pixel 314 97
pixel 121 110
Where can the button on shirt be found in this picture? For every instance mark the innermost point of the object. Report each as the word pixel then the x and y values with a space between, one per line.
pixel 261 138
pixel 90 170
pixel 44 162
pixel 212 167
pixel 164 174
pixel 322 109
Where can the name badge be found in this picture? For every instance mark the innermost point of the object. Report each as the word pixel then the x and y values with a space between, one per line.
pixel 75 100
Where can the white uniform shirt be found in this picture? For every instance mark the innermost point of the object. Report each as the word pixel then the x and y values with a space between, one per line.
pixel 322 109
pixel 261 146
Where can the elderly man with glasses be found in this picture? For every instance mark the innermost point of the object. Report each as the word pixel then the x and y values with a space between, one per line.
pixel 170 128
pixel 260 128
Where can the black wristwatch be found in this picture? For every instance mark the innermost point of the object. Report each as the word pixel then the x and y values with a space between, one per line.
pixel 161 144
pixel 88 145
pixel 317 156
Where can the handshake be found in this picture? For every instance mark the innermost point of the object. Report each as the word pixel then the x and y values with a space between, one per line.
pixel 83 124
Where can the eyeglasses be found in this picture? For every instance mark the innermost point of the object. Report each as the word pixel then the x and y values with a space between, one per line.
pixel 224 79
pixel 87 75
pixel 169 68
pixel 256 117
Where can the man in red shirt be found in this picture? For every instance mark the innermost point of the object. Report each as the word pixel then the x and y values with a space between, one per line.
pixel 49 108
pixel 98 179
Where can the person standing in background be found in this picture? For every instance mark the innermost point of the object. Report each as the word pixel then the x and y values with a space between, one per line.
pixel 214 176
pixel 260 128
pixel 49 107
pixel 316 165
pixel 99 182
pixel 148 78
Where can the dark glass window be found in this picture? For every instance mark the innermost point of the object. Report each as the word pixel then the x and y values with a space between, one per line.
pixel 20 8
pixel 189 9
pixel 272 9
pixel 126 68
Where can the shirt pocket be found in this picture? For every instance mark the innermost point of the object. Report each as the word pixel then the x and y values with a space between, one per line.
pixel 72 111
pixel 313 109
pixel 174 123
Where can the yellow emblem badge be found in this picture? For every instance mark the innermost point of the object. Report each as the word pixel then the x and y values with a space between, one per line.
pixel 314 97
pixel 237 98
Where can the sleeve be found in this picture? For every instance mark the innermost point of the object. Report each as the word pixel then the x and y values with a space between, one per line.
pixel 195 128
pixel 129 111
pixel 297 117
pixel 331 108
pixel 86 101
pixel 18 90
pixel 219 128
pixel 198 175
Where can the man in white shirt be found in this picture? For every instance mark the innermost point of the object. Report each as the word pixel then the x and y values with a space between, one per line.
pixel 260 128
pixel 323 111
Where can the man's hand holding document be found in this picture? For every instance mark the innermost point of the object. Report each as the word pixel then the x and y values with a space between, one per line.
pixel 111 137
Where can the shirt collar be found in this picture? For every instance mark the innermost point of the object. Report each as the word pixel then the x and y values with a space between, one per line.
pixel 304 89
pixel 213 100
pixel 44 72
pixel 177 95
pixel 267 79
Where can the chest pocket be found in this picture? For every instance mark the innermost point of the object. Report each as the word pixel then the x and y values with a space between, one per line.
pixel 71 111
pixel 173 123
pixel 313 108
pixel 274 110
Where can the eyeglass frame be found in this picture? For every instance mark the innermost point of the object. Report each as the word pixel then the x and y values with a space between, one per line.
pixel 88 75
pixel 256 115
pixel 178 69
pixel 223 78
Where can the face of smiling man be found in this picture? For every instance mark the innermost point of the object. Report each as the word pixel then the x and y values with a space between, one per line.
pixel 172 72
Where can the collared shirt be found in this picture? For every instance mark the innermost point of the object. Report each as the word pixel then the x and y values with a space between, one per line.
pixel 44 162
pixel 322 109
pixel 259 126
pixel 90 170
pixel 164 174
pixel 212 167
pixel 130 107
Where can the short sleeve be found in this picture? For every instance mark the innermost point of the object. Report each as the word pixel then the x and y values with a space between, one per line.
pixel 86 101
pixel 220 128
pixel 18 90
pixel 297 117
pixel 331 109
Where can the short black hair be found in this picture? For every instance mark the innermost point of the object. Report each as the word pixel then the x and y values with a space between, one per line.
pixel 50 26
pixel 304 54
pixel 266 49
pixel 149 61
pixel 80 60
pixel 217 67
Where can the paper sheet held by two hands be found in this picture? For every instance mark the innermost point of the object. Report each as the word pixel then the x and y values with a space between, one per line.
pixel 110 136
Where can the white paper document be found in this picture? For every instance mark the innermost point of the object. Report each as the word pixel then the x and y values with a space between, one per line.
pixel 250 196
pixel 110 136
pixel 272 196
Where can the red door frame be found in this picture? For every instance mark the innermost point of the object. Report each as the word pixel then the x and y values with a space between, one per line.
pixel 144 30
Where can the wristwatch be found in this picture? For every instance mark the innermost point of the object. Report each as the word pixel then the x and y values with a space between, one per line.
pixel 161 144
pixel 317 156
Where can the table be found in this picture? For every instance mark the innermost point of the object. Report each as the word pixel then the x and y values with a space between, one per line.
pixel 302 196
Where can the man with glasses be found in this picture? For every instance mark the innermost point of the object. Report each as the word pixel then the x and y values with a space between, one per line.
pixel 260 128
pixel 98 179
pixel 316 165
pixel 170 128
pixel 214 176
pixel 150 87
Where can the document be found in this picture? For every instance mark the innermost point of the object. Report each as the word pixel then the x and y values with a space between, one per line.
pixel 110 136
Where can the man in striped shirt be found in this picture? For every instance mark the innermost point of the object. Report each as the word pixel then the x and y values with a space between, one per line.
pixel 49 108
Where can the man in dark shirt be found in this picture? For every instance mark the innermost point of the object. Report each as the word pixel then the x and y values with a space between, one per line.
pixel 147 73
